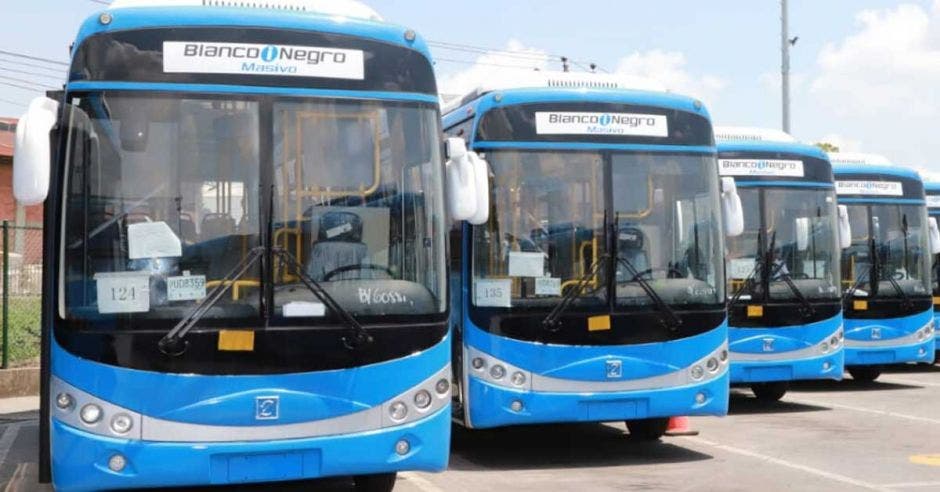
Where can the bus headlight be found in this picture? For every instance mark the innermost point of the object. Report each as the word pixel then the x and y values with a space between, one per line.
pixel 497 371
pixel 398 410
pixel 121 423
pixel 824 347
pixel 697 372
pixel 64 401
pixel 712 365
pixel 91 414
pixel 518 378
pixel 477 363
pixel 442 386
pixel 422 399
pixel 834 342
pixel 723 356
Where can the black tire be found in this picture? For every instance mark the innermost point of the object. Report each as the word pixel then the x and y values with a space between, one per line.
pixel 648 429
pixel 383 482
pixel 865 374
pixel 770 392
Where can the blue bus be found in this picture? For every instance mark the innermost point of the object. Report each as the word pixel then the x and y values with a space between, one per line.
pixel 245 248
pixel 887 302
pixel 933 210
pixel 595 292
pixel 785 304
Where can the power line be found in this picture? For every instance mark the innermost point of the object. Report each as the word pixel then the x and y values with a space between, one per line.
pixel 55 70
pixel 503 65
pixel 58 78
pixel 31 57
pixel 102 2
pixel 469 48
pixel 8 101
pixel 24 81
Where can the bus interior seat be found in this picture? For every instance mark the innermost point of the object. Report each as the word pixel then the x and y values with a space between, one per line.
pixel 339 244
pixel 187 229
pixel 217 224
pixel 631 247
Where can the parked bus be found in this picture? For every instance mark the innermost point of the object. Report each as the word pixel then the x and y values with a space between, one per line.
pixel 245 247
pixel 595 292
pixel 785 304
pixel 887 302
pixel 933 210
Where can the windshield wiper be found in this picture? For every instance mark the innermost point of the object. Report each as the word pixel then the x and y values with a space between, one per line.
pixel 551 323
pixel 671 320
pixel 807 309
pixel 905 299
pixel 858 281
pixel 172 343
pixel 747 286
pixel 358 336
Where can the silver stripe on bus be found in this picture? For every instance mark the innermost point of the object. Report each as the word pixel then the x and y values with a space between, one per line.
pixel 538 382
pixel 921 335
pixel 803 353
pixel 160 430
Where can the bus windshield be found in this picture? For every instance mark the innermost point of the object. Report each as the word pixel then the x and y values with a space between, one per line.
pixel 167 196
pixel 895 234
pixel 556 215
pixel 795 227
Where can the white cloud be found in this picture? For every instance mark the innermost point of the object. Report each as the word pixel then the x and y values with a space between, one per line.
pixel 669 68
pixel 516 61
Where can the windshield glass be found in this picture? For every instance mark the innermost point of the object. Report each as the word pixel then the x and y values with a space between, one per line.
pixel 799 224
pixel 546 229
pixel 165 200
pixel 900 243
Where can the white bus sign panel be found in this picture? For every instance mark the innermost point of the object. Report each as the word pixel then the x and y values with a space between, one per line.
pixel 873 188
pixel 627 124
pixel 761 167
pixel 261 59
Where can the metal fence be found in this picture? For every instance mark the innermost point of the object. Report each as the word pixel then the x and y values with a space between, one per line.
pixel 21 293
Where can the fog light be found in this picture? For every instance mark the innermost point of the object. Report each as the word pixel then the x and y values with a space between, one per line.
pixel 117 463
pixel 841 335
pixel 64 401
pixel 442 386
pixel 121 423
pixel 700 398
pixel 518 378
pixel 398 410
pixel 697 372
pixel 824 347
pixel 826 366
pixel 402 447
pixel 723 356
pixel 90 414
pixel 516 406
pixel 712 365
pixel 422 399
pixel 477 363
pixel 922 352
pixel 497 371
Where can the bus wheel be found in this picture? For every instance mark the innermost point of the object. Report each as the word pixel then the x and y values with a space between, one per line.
pixel 383 482
pixel 770 392
pixel 647 429
pixel 865 374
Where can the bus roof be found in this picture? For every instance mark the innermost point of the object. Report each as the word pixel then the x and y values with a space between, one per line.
pixel 751 134
pixel 753 139
pixel 859 158
pixel 901 172
pixel 563 80
pixel 932 186
pixel 345 8
pixel 517 96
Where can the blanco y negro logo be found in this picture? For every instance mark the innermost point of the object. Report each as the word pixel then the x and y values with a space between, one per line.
pixel 628 124
pixel 760 167
pixel 260 59
pixel 881 188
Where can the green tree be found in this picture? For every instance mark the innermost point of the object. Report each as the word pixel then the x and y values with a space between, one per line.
pixel 827 147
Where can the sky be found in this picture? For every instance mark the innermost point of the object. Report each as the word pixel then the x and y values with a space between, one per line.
pixel 865 73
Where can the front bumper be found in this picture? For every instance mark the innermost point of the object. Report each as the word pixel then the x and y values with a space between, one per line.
pixel 80 459
pixel 919 352
pixel 828 366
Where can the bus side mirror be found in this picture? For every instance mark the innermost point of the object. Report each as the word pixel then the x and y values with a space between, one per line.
pixel 731 208
pixel 934 235
pixel 845 227
pixel 461 180
pixel 802 233
pixel 481 181
pixel 32 152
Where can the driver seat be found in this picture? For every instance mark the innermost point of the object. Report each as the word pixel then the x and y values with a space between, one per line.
pixel 630 246
pixel 339 244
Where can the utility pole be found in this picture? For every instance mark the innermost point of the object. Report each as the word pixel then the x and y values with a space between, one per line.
pixel 785 63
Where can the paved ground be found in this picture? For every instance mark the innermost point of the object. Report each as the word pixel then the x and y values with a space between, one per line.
pixel 823 436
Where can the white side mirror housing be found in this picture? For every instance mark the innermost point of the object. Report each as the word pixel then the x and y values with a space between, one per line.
pixel 732 212
pixel 32 153
pixel 845 227
pixel 934 235
pixel 802 233
pixel 481 178
pixel 461 180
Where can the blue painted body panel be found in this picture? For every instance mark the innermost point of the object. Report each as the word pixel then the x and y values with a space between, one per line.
pixel 861 329
pixel 901 172
pixel 80 459
pixel 775 147
pixel 785 339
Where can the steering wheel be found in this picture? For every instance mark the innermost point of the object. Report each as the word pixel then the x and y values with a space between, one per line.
pixel 358 267
pixel 649 271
